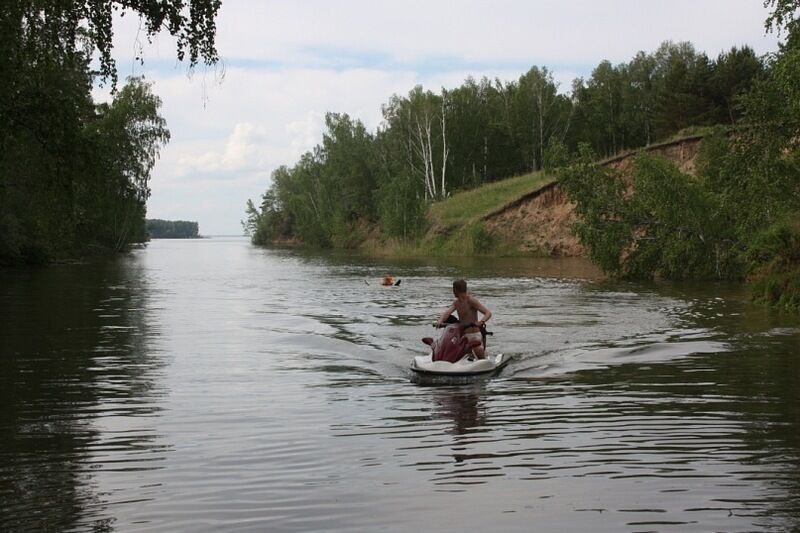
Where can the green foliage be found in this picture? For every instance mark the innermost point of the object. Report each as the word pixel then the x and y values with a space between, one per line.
pixel 538 115
pixel 780 290
pixel 402 210
pixel 784 18
pixel 44 101
pixel 680 228
pixel 318 199
pixel 269 222
pixel 656 95
pixel 664 223
pixel 128 134
pixel 74 176
pixel 774 261
pixel 778 244
pixel 348 166
pixel 769 150
pixel 599 196
pixel 58 30
pixel 171 229
pixel 556 155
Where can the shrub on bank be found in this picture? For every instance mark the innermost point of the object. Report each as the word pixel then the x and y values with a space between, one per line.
pixel 774 260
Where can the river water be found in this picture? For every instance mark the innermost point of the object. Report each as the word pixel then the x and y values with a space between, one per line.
pixel 210 385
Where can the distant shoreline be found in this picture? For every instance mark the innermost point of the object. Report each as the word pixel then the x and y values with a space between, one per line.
pixel 152 238
pixel 199 237
pixel 157 228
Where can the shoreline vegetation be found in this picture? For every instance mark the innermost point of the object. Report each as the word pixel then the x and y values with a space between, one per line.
pixel 431 179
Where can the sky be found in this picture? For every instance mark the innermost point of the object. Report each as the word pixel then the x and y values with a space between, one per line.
pixel 286 63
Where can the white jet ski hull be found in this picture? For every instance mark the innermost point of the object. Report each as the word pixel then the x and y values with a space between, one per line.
pixel 464 367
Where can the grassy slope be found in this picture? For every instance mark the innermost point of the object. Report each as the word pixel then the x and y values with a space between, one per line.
pixel 455 227
pixel 467 207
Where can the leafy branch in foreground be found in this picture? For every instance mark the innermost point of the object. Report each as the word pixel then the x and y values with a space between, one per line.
pixel 61 28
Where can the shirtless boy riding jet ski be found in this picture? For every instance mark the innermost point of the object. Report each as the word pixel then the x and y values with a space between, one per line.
pixel 467 307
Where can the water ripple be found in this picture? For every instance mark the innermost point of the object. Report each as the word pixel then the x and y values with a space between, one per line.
pixel 211 385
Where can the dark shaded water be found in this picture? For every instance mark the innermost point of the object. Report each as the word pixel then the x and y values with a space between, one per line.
pixel 208 385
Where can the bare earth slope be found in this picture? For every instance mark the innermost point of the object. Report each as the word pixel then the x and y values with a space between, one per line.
pixel 540 222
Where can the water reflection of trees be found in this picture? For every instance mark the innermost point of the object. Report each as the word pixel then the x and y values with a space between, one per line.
pixel 73 343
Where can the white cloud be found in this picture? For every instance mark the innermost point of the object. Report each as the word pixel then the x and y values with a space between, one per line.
pixel 243 152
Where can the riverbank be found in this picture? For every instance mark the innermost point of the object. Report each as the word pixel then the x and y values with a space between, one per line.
pixel 523 216
pixel 532 216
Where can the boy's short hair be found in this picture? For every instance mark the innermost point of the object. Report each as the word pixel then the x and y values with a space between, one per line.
pixel 459 286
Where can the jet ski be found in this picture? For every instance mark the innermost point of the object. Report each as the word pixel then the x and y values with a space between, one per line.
pixel 452 355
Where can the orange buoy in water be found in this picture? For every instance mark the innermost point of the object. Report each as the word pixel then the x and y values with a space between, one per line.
pixel 388 281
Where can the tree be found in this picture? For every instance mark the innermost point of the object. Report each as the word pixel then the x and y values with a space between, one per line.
pixel 44 105
pixel 130 133
pixel 740 215
pixel 639 99
pixel 73 176
pixel 540 114
pixel 468 132
pixel 349 162
pixel 681 90
pixel 61 28
pixel 171 229
pixel 784 19
pixel 421 119
pixel 733 74
pixel 600 104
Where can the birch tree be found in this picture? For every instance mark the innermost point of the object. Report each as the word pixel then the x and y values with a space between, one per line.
pixel 422 117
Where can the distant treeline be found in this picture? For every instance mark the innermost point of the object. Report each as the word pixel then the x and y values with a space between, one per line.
pixel 74 174
pixel 171 229
pixel 431 144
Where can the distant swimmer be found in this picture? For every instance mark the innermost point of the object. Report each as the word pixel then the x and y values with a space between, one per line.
pixel 388 281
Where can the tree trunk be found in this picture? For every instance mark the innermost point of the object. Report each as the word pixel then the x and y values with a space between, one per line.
pixel 445 151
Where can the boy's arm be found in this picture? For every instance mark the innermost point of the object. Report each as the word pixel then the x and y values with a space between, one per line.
pixel 483 309
pixel 449 311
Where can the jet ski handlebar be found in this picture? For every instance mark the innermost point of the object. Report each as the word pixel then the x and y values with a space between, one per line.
pixel 445 324
pixel 453 320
